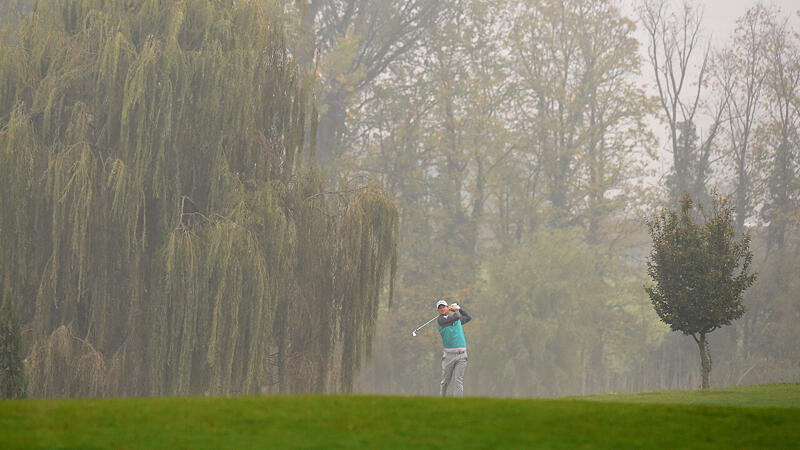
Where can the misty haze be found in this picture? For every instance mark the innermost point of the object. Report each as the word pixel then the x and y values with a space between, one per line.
pixel 262 197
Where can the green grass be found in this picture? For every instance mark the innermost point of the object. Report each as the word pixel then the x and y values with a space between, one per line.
pixel 730 418
pixel 785 395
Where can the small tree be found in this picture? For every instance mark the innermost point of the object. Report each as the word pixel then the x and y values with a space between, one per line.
pixel 700 272
pixel 12 372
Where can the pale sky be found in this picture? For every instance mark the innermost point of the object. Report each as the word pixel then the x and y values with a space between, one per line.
pixel 721 15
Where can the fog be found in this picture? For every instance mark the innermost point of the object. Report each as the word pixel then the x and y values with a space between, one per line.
pixel 556 284
pixel 262 197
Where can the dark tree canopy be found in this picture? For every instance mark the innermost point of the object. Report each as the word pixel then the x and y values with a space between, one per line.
pixel 165 233
pixel 700 271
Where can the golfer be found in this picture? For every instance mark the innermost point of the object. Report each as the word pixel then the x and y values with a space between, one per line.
pixel 454 357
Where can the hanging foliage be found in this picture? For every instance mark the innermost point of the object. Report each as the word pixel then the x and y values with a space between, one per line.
pixel 163 226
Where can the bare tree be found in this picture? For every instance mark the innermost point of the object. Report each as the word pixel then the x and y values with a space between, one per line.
pixel 741 70
pixel 679 57
pixel 782 130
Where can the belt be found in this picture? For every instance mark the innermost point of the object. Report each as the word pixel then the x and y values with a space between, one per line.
pixel 457 351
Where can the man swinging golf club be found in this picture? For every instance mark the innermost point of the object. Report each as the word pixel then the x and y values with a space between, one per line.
pixel 454 357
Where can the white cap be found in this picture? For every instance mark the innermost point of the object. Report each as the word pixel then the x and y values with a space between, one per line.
pixel 440 303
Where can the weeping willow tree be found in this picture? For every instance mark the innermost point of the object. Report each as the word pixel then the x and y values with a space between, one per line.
pixel 163 223
pixel 12 372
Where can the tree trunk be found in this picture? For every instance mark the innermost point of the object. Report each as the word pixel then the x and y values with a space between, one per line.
pixel 329 131
pixel 741 193
pixel 705 358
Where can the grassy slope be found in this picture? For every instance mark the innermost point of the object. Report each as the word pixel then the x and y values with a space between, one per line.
pixel 780 395
pixel 368 421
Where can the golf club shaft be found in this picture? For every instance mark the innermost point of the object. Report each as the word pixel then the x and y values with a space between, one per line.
pixel 424 324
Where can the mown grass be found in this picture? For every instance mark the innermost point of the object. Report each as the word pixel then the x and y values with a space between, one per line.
pixel 665 420
pixel 779 395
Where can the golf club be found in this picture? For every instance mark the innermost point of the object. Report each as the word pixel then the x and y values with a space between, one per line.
pixel 414 333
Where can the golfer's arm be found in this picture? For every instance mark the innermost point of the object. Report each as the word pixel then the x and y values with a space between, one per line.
pixel 447 320
pixel 465 317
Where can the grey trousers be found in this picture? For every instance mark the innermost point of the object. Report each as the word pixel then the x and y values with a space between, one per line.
pixel 453 367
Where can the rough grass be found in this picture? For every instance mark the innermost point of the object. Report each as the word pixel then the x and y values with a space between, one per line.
pixel 749 417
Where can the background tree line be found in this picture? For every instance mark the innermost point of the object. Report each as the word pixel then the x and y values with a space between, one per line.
pixel 520 140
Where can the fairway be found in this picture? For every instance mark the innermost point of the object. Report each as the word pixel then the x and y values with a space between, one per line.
pixel 779 395
pixel 731 418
